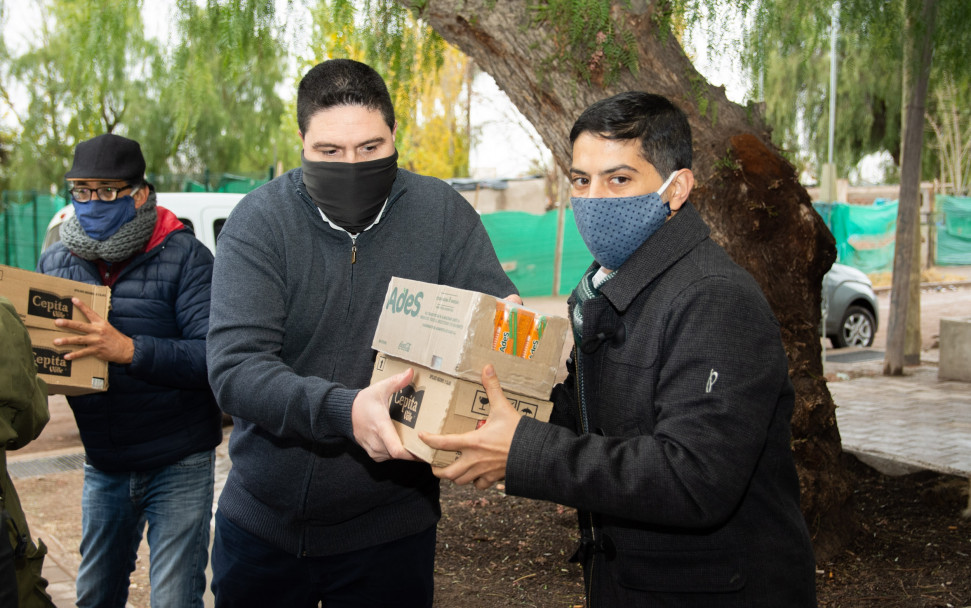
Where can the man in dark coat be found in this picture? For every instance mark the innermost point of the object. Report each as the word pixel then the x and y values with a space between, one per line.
pixel 672 434
pixel 150 439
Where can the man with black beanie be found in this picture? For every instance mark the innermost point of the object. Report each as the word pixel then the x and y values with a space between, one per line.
pixel 150 438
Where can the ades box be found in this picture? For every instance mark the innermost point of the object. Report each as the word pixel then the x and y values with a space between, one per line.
pixel 40 300
pixel 457 332
pixel 437 403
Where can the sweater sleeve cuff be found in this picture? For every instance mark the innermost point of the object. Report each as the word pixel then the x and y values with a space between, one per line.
pixel 336 410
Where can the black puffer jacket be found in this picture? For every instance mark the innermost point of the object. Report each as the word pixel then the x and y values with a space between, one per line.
pixel 159 408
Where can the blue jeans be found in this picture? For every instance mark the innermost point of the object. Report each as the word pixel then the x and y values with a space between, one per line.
pixel 249 572
pixel 176 503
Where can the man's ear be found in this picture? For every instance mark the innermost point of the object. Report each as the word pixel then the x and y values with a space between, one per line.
pixel 141 196
pixel 680 188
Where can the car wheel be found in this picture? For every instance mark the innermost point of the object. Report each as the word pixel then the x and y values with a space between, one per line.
pixel 856 328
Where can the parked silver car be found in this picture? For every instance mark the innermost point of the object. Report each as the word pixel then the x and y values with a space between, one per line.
pixel 849 307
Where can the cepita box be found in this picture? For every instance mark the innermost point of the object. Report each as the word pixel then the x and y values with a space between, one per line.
pixel 63 377
pixel 437 403
pixel 40 300
pixel 457 332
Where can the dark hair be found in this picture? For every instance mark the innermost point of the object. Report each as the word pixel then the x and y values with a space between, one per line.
pixel 342 82
pixel 660 125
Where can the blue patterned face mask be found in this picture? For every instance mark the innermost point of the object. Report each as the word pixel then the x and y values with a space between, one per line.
pixel 613 228
pixel 101 219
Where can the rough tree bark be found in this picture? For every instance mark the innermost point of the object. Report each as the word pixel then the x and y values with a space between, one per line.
pixel 746 191
pixel 905 288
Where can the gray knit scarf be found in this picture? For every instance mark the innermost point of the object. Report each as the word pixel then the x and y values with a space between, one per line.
pixel 129 240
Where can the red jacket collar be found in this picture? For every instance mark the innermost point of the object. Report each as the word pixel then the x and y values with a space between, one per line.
pixel 166 224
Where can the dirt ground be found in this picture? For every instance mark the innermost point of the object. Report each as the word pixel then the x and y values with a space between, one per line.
pixel 912 549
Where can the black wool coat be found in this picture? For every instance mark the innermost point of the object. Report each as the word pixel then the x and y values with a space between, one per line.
pixel 678 455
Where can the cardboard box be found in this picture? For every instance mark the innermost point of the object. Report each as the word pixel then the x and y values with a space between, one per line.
pixel 40 300
pixel 437 403
pixel 452 331
pixel 63 377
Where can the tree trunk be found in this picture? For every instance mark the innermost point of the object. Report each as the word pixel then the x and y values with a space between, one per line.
pixel 747 192
pixel 918 51
pixel 912 343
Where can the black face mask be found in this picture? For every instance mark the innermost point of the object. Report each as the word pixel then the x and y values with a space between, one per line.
pixel 350 194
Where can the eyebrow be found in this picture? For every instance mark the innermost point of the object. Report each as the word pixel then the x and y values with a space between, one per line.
pixel 100 184
pixel 605 171
pixel 373 140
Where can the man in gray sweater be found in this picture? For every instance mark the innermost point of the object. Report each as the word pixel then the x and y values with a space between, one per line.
pixel 323 504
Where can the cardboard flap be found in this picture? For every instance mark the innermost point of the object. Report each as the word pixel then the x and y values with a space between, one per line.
pixel 423 323
pixel 453 330
pixel 41 299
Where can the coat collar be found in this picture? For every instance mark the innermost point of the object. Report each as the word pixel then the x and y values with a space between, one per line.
pixel 165 224
pixel 660 251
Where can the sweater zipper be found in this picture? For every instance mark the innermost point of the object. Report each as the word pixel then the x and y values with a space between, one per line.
pixel 354 249
pixel 584 424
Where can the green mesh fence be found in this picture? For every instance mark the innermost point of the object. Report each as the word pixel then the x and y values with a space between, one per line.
pixel 526 244
pixel 194 186
pixel 24 215
pixel 953 230
pixel 227 183
pixel 209 182
pixel 23 225
pixel 864 234
pixel 239 185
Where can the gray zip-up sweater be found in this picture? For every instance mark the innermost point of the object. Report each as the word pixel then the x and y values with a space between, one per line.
pixel 294 306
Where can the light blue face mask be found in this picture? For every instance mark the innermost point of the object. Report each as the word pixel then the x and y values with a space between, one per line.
pixel 101 219
pixel 613 228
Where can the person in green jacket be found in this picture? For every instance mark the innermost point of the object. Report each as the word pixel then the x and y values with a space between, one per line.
pixel 23 414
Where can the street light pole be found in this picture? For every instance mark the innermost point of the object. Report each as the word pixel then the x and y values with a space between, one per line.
pixel 829 169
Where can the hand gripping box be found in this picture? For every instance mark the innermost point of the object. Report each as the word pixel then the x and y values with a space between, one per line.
pixel 40 300
pixel 457 332
pixel 448 335
pixel 437 403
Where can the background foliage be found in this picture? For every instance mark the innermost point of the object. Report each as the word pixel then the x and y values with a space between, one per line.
pixel 218 95
pixel 786 49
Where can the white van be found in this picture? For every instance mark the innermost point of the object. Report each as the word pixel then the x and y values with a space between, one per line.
pixel 204 212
